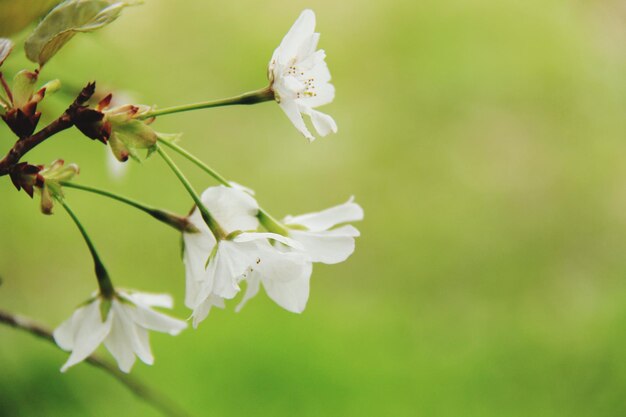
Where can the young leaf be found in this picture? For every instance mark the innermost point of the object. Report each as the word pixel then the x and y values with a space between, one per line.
pixel 23 87
pixel 67 19
pixel 6 46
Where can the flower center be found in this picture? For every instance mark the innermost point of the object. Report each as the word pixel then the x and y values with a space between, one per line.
pixel 308 82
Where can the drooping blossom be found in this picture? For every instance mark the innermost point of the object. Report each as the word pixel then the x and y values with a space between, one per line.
pixel 121 323
pixel 215 267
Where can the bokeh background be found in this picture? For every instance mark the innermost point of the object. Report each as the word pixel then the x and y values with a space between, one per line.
pixel 486 141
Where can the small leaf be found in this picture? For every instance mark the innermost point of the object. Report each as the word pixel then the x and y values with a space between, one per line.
pixel 23 87
pixel 67 19
pixel 6 46
pixel 136 134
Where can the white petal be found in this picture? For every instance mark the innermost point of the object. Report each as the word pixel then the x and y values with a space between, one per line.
pixel 323 123
pixel 280 266
pixel 325 247
pixel 293 85
pixel 325 94
pixel 142 349
pixel 121 339
pixel 195 259
pixel 149 300
pixel 347 230
pixel 230 262
pixel 197 248
pixel 233 209
pixel 153 320
pixel 249 237
pixel 300 32
pixel 202 311
pixel 291 294
pixel 64 334
pixel 89 332
pixel 325 219
pixel 309 45
pixel 252 289
pixel 313 63
pixel 293 113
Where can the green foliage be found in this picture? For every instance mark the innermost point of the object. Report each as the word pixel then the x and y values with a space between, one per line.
pixel 65 21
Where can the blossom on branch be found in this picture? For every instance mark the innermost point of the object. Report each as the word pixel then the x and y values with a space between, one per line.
pixel 300 78
pixel 216 266
pixel 121 323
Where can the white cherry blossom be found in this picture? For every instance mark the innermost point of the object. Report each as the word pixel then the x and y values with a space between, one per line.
pixel 121 323
pixel 215 268
pixel 300 77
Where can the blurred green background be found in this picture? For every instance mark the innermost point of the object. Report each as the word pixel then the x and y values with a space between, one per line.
pixel 485 140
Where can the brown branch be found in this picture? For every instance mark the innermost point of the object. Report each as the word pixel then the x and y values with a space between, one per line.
pixel 152 397
pixel 65 121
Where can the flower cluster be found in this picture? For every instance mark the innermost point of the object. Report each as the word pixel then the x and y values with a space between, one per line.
pixel 230 241
pixel 215 266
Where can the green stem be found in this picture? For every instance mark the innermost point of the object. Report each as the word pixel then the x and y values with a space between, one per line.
pixel 219 178
pixel 266 219
pixel 217 230
pixel 252 97
pixel 104 281
pixel 271 224
pixel 178 222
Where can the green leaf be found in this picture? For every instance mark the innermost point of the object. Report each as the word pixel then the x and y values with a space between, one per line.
pixel 6 46
pixel 23 87
pixel 67 19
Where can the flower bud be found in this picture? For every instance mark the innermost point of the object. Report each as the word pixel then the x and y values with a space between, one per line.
pixel 22 116
pixel 25 176
pixel 128 133
pixel 49 182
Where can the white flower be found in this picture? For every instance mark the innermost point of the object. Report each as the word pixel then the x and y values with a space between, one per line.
pixel 122 325
pixel 318 234
pixel 300 77
pixel 286 281
pixel 214 268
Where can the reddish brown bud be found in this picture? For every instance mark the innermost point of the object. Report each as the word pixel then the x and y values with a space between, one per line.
pixel 89 122
pixel 26 176
pixel 23 122
pixel 105 102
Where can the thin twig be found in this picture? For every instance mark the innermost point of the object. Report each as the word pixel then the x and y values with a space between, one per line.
pixel 152 397
pixel 22 146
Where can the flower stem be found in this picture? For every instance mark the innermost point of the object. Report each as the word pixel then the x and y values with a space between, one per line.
pixel 178 222
pixel 217 230
pixel 104 281
pixel 156 399
pixel 252 97
pixel 266 219
pixel 218 177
